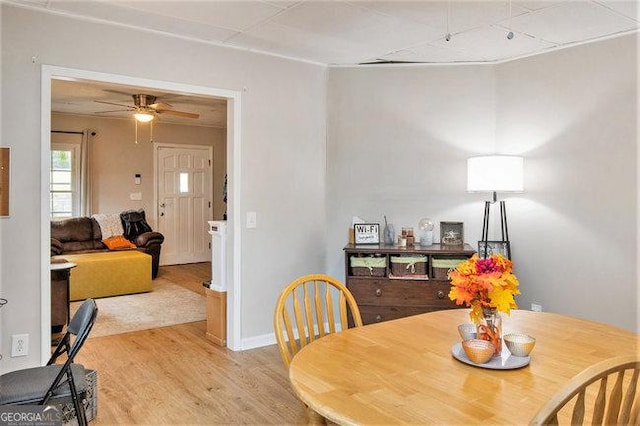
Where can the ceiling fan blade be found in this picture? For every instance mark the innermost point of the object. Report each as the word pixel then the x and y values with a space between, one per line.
pixel 178 113
pixel 117 92
pixel 113 110
pixel 160 105
pixel 113 103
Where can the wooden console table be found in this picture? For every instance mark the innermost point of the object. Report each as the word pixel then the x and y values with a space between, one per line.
pixel 60 315
pixel 383 295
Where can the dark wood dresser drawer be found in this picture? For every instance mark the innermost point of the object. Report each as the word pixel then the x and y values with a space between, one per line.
pixel 401 292
pixel 374 314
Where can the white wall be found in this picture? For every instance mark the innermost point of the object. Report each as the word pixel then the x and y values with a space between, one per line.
pixel 398 139
pixel 283 157
pixel 573 115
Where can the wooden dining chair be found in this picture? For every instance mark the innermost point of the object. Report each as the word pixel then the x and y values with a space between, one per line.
pixel 305 311
pixel 615 405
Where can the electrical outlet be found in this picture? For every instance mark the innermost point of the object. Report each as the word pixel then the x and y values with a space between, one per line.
pixel 19 345
pixel 536 308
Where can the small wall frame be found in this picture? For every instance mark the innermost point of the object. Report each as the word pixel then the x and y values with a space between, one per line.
pixel 367 233
pixel 451 233
pixel 494 247
pixel 5 184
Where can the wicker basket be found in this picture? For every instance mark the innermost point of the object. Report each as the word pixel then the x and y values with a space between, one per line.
pixel 408 266
pixel 441 266
pixel 368 266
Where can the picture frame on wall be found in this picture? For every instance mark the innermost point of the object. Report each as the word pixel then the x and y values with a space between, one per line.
pixel 5 173
pixel 367 233
pixel 451 233
pixel 494 247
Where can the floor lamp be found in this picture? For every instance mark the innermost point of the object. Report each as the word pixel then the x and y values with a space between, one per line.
pixel 495 173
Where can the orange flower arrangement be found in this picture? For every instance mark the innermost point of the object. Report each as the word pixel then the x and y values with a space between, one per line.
pixel 484 284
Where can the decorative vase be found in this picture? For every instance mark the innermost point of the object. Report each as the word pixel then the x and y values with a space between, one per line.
pixel 389 233
pixel 490 328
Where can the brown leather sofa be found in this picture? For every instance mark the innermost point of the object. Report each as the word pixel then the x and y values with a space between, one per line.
pixel 82 235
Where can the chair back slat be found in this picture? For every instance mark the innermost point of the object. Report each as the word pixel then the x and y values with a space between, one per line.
pixel 308 314
pixel 634 416
pixel 310 301
pixel 600 402
pixel 577 417
pixel 627 405
pixel 328 298
pixel 618 404
pixel 615 401
pixel 342 303
pixel 297 310
pixel 291 338
pixel 318 297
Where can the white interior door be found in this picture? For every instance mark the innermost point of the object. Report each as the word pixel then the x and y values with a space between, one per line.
pixel 184 182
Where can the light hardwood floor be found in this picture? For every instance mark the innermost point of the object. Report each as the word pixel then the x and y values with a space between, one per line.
pixel 189 276
pixel 174 375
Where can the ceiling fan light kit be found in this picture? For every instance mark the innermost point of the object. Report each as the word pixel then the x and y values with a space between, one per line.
pixel 150 130
pixel 143 116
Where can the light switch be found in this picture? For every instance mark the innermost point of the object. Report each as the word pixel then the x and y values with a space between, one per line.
pixel 137 178
pixel 136 196
pixel 252 221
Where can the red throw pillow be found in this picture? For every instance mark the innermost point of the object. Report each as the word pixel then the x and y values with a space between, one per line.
pixel 118 242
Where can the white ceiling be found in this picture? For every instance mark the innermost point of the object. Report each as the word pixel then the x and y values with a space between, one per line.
pixel 343 33
pixel 338 32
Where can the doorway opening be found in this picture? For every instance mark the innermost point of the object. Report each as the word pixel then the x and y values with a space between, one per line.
pixel 233 100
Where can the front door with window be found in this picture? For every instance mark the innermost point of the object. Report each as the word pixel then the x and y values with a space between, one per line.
pixel 184 182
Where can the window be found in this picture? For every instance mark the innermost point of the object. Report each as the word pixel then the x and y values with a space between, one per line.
pixel 184 182
pixel 64 181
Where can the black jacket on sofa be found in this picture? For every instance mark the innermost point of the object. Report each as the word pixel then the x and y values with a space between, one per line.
pixel 82 235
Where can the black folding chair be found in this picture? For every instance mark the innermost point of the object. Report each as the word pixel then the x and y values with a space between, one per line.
pixel 38 385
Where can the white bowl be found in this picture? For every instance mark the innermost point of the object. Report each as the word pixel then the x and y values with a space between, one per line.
pixel 519 344
pixel 467 331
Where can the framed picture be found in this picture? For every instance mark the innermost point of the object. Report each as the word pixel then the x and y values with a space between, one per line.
pixel 367 233
pixel 451 233
pixel 494 247
pixel 5 164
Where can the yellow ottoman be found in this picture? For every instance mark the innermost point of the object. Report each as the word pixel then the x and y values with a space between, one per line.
pixel 110 273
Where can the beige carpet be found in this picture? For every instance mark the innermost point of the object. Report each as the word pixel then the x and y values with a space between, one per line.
pixel 168 304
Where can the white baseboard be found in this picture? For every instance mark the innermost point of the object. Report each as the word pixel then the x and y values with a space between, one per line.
pixel 270 339
pixel 258 341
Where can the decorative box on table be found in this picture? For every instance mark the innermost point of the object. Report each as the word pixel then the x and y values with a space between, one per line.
pixel 409 266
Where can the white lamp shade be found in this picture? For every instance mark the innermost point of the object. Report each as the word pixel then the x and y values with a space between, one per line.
pixel 499 173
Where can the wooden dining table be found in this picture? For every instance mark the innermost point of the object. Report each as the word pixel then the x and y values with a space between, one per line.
pixel 403 371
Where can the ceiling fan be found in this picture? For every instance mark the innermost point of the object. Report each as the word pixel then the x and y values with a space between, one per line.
pixel 145 108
